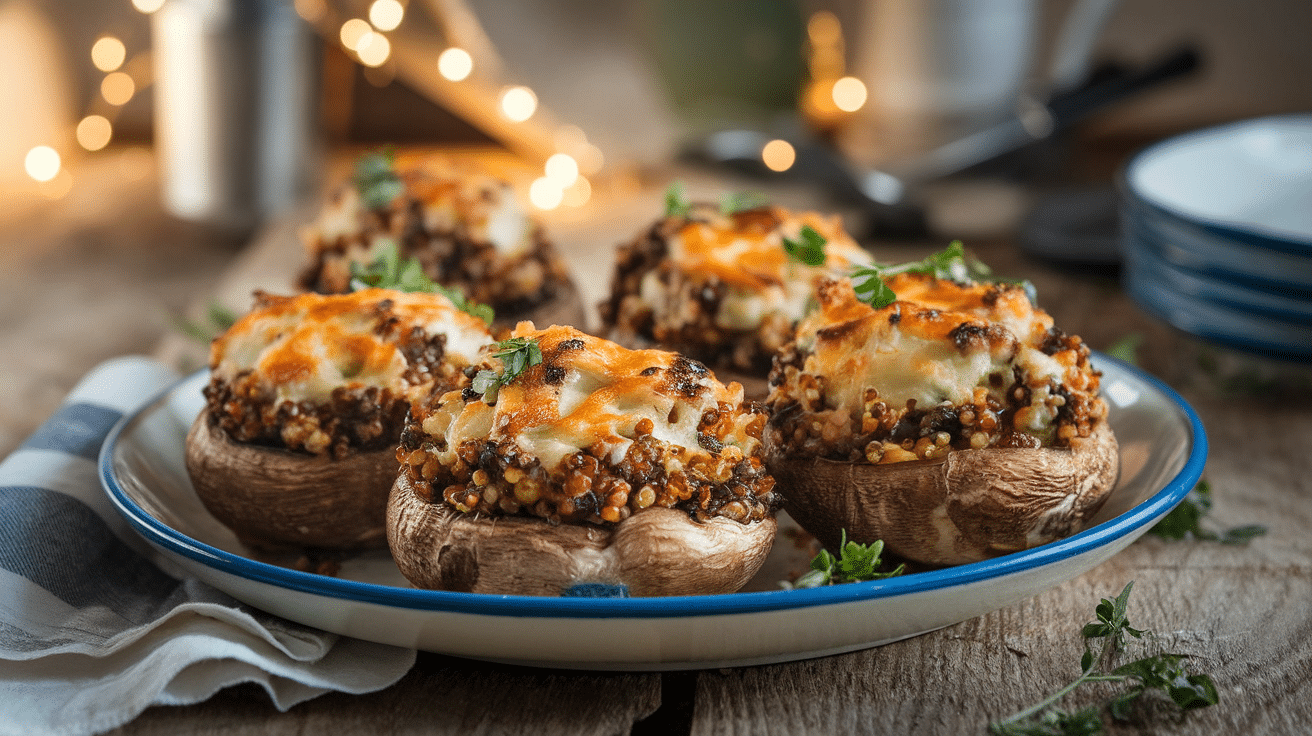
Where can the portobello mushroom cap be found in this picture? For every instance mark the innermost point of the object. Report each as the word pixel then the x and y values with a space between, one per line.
pixel 967 506
pixel 655 552
pixel 276 498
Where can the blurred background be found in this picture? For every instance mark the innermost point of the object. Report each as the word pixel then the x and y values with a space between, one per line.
pixel 144 143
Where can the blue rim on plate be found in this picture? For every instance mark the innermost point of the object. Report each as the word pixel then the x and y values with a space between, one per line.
pixel 1193 247
pixel 679 606
pixel 1142 260
pixel 1287 241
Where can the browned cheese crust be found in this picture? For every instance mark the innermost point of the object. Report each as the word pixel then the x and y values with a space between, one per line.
pixel 719 257
pixel 441 220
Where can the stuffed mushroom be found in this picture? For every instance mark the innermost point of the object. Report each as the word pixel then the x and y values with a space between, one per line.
pixel 571 463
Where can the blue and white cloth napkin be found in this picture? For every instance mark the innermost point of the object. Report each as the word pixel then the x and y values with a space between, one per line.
pixel 93 630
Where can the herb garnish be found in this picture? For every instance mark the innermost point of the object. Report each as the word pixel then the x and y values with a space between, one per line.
pixel 676 201
pixel 1161 672
pixel 376 179
pixel 741 201
pixel 388 271
pixel 855 563
pixel 809 249
pixel 950 264
pixel 218 319
pixel 516 354
pixel 1126 348
pixel 1184 521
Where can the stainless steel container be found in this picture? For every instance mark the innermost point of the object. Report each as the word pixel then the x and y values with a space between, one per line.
pixel 237 94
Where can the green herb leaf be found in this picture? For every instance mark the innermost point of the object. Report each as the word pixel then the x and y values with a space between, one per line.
pixel 1185 521
pixel 1165 673
pixel 856 563
pixel 870 288
pixel 810 249
pixel 950 264
pixel 376 179
pixel 517 354
pixel 676 201
pixel 388 271
pixel 1126 348
pixel 218 319
pixel 741 201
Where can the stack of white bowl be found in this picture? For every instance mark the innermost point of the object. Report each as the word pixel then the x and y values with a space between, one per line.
pixel 1217 234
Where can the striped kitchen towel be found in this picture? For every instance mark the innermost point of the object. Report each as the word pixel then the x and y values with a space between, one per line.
pixel 93 627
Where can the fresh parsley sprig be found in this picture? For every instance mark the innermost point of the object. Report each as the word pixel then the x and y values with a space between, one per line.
pixel 389 271
pixel 951 264
pixel 1185 521
pixel 1164 673
pixel 809 248
pixel 517 354
pixel 854 563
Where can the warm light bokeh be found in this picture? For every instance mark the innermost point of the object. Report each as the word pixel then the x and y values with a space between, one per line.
pixel 42 163
pixel 353 32
pixel 117 88
pixel 849 94
pixel 455 64
pixel 545 194
pixel 94 132
pixel 562 169
pixel 386 15
pixel 518 104
pixel 374 49
pixel 108 53
pixel 778 155
pixel 147 6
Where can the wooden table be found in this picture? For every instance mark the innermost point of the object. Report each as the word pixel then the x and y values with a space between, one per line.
pixel 1243 613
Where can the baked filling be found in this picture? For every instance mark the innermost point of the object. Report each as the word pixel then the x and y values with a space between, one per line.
pixel 335 374
pixel 593 433
pixel 947 366
pixel 721 287
pixel 466 228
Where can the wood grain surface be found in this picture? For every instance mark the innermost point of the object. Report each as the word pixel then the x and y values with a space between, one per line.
pixel 1242 613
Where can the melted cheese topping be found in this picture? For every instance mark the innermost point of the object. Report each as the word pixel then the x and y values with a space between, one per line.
pixel 451 198
pixel 304 347
pixel 745 251
pixel 939 342
pixel 587 393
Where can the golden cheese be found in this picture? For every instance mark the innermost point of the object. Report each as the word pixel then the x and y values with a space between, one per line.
pixel 588 394
pixel 304 347
pixel 745 251
pixel 939 342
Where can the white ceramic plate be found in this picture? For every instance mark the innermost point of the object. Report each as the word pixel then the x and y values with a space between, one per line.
pixel 1251 181
pixel 1163 450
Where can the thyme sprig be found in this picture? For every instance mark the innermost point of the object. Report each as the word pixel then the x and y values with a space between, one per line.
pixel 1163 673
pixel 218 319
pixel 952 264
pixel 389 271
pixel 517 354
pixel 854 563
pixel 1185 521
